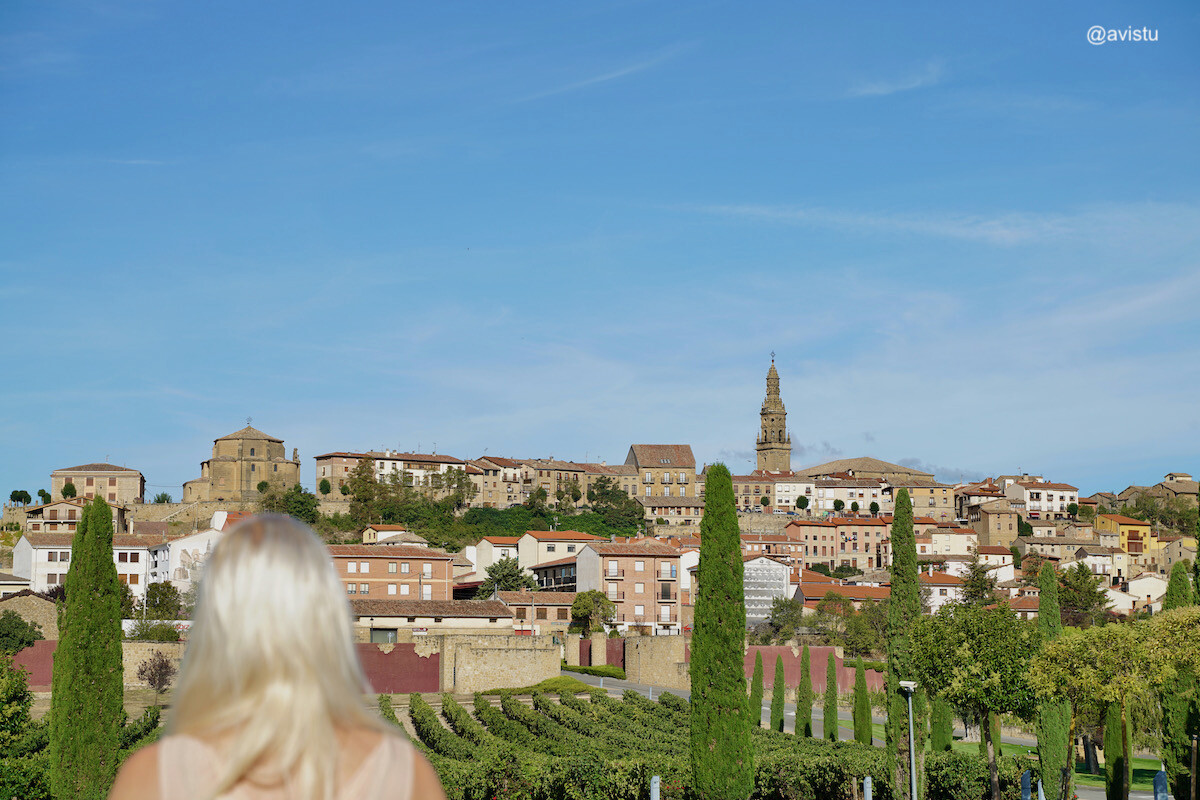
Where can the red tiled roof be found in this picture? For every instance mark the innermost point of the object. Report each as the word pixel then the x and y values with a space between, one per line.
pixel 94 468
pixel 1058 487
pixel 1123 520
pixel 658 456
pixel 536 598
pixel 391 551
pixel 65 539
pixel 501 539
pixel 386 528
pixel 940 579
pixel 647 548
pixel 555 563
pixel 994 550
pixel 430 608
pixel 853 592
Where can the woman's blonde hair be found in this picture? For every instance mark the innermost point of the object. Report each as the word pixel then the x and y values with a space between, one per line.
pixel 270 659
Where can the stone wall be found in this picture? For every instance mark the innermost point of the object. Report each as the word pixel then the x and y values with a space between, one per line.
pixel 477 663
pixel 658 661
pixel 33 608
pixel 769 523
pixel 186 515
pixel 134 653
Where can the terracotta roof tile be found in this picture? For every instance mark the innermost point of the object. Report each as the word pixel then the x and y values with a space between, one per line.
pixel 536 598
pixel 388 551
pixel 565 536
pixel 430 608
pixel 639 549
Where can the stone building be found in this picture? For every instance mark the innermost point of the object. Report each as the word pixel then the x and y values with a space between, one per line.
pixel 240 462
pixel 107 481
pixel 774 444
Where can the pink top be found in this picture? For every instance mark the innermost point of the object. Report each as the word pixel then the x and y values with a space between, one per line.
pixel 188 768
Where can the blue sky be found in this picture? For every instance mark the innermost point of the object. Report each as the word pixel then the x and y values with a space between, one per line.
pixel 971 237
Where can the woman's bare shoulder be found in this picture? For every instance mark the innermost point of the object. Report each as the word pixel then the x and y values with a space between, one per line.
pixel 138 777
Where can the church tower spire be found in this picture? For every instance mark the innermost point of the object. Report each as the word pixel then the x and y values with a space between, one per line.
pixel 774 444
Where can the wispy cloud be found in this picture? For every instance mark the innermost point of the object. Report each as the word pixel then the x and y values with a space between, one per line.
pixel 622 72
pixel 930 75
pixel 1144 221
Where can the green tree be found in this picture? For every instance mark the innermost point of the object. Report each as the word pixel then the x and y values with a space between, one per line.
pixel 296 502
pixel 1117 748
pixel 16 634
pixel 592 610
pixel 854 507
pixel 68 490
pixel 830 711
pixel 1023 527
pixel 831 614
pixel 786 616
pixel 802 502
pixel 1056 718
pixel 162 498
pixel 86 712
pixel 1179 591
pixel 838 505
pixel 874 508
pixel 1081 600
pixel 15 702
pixel 1073 509
pixel 325 487
pixel 977 659
pixel 756 691
pixel 611 502
pixel 764 502
pixel 804 697
pixel 506 575
pixel 162 601
pixel 721 756
pixel 44 496
pixel 263 487
pixel 979 586
pixel 778 690
pixel 941 726
pixel 1016 554
pixel 904 610
pixel 862 705
pixel 15 497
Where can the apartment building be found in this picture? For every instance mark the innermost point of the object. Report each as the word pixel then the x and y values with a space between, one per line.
pixel 968 496
pixel 996 522
pixel 109 482
pixel 44 559
pixel 403 571
pixel 789 488
pixel 862 543
pixel 1109 562
pixel 778 546
pixel 850 490
pixel 1046 501
pixel 503 482
pixel 62 516
pixel 1136 537
pixel 556 576
pixel 536 547
pixel 673 511
pixel 662 470
pixel 754 492
pixel 494 548
pixel 641 578
pixel 929 498
pixel 336 468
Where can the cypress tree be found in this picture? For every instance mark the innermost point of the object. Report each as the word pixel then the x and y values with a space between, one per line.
pixel 756 692
pixel 804 697
pixel 1055 723
pixel 86 703
pixel 1179 591
pixel 904 609
pixel 777 696
pixel 862 705
pixel 831 701
pixel 1196 572
pixel 941 734
pixel 1180 700
pixel 722 761
pixel 1116 754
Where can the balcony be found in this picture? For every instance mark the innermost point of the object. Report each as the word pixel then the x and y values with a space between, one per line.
pixel 613 573
pixel 666 478
pixel 615 596
pixel 665 576
pixel 666 596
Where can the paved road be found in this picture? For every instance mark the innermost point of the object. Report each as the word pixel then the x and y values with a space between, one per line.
pixel 618 686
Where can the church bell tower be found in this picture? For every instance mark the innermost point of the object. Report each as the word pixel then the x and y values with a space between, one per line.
pixel 774 444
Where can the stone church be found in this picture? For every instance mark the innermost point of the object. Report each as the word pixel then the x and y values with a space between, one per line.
pixel 240 462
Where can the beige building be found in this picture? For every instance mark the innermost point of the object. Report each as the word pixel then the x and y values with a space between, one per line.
pixel 673 511
pixel 1180 485
pixel 995 521
pixel 391 534
pixel 642 579
pixel 107 481
pixel 929 498
pixel 537 547
pixel 240 462
pixel 335 468
pixel 62 516
pixel 850 490
pixel 863 467
pixel 663 470
pixel 1046 501
pixel 385 620
pixel 538 613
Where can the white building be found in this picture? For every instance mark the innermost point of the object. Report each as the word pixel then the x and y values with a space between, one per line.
pixel 1043 500
pixel 763 580
pixel 44 558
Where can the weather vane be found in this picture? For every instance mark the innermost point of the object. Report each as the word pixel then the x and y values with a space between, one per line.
pixel 772 355
pixel 248 421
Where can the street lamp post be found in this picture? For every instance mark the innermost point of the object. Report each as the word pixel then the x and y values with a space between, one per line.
pixel 908 687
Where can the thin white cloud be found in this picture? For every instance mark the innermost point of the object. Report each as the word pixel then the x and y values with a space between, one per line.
pixel 930 75
pixel 1140 221
pixel 630 69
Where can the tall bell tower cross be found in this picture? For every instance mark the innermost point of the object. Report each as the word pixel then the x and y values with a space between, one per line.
pixel 774 444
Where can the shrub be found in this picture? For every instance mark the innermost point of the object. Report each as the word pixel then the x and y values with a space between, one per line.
pixel 562 683
pixel 433 733
pixel 957 775
pixel 148 630
pixel 603 672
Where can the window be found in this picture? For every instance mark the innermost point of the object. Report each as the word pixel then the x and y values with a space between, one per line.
pixel 251 451
pixel 91 481
pixel 392 567
pixel 639 588
pixel 351 567
pixel 403 589
pixel 404 568
pixel 112 481
pixel 647 491
pixel 639 566
pixel 123 558
pixel 665 613
pixel 427 570
pixel 549 548
pixel 639 611
pixel 942 592
pixel 134 557
pixel 383 635
pixel 412 619
pixel 391 588
pixel 52 556
pixel 364 567
pixel 541 613
pixel 570 548
pixel 520 612
pixel 133 579
pixel 112 496
pixel 666 491
pixel 426 592
pixel 364 588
